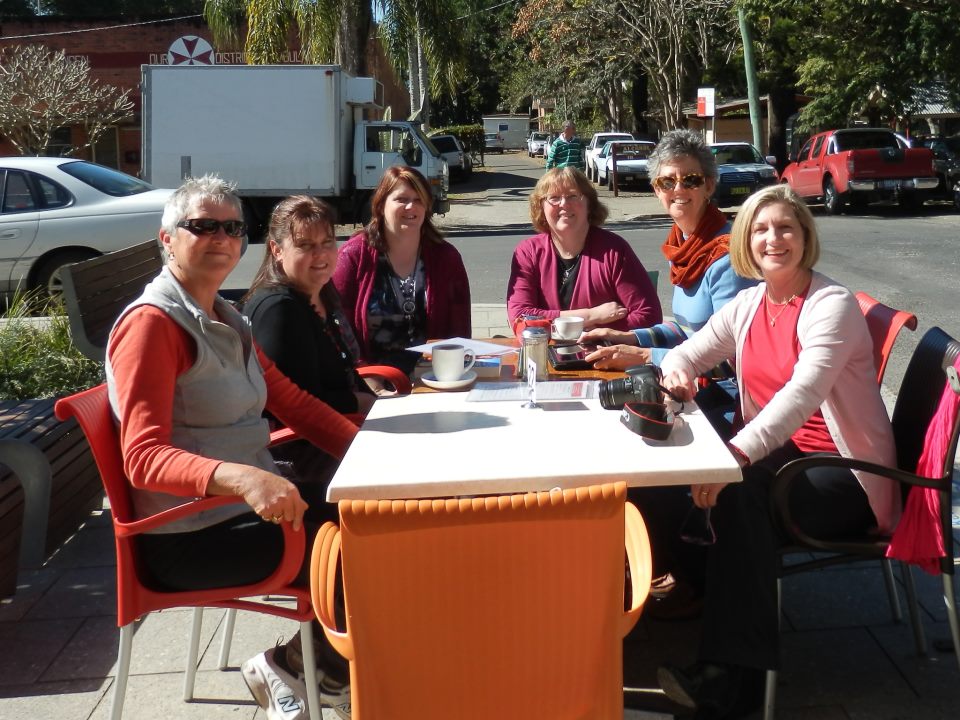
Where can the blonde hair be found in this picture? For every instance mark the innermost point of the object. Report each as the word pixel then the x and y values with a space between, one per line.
pixel 741 257
pixel 564 177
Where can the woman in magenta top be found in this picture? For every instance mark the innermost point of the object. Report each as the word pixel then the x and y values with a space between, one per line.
pixel 804 362
pixel 575 268
pixel 399 281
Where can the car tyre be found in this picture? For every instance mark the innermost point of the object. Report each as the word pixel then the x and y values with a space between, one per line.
pixel 609 181
pixel 49 278
pixel 833 201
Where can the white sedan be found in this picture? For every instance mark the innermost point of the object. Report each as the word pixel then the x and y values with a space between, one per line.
pixel 58 211
pixel 595 146
pixel 631 161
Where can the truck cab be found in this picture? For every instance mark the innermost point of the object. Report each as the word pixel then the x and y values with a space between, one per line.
pixel 378 145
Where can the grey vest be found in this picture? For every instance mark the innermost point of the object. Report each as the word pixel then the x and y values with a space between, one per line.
pixel 217 403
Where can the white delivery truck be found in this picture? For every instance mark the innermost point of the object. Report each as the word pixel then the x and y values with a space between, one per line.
pixel 278 130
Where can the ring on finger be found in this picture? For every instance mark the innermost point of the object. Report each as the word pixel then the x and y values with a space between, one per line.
pixel 276 519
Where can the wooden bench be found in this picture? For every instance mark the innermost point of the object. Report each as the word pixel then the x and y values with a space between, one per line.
pixel 58 481
pixel 95 291
pixel 49 486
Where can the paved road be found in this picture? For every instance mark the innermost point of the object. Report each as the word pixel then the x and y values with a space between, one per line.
pixel 910 262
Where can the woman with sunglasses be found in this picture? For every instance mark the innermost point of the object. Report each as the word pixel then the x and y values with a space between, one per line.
pixel 188 386
pixel 401 283
pixel 684 174
pixel 808 386
pixel 574 267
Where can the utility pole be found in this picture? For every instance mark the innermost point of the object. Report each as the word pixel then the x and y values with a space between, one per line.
pixel 751 71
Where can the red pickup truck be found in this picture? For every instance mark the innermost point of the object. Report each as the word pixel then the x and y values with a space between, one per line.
pixel 860 165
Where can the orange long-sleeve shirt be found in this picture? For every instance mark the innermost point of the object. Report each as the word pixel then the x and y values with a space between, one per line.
pixel 148 351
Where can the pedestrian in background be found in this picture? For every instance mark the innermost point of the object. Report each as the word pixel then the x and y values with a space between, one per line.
pixel 567 149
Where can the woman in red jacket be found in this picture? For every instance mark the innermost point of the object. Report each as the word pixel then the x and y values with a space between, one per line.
pixel 399 281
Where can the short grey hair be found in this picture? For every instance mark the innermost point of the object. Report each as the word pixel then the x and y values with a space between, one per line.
pixel 193 192
pixel 677 144
pixel 569 124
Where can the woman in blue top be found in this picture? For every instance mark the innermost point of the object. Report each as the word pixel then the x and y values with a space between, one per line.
pixel 684 174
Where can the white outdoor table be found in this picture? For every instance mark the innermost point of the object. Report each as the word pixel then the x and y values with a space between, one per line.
pixel 439 445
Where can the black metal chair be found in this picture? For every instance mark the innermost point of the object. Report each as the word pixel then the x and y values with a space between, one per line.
pixel 915 408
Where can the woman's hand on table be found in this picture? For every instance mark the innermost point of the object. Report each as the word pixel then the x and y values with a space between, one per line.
pixel 705 495
pixel 608 335
pixel 273 498
pixel 618 357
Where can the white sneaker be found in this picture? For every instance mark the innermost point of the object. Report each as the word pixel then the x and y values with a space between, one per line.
pixel 335 696
pixel 278 692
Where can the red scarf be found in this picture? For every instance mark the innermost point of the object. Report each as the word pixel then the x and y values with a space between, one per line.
pixel 689 258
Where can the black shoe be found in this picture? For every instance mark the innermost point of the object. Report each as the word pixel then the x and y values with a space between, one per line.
pixel 711 690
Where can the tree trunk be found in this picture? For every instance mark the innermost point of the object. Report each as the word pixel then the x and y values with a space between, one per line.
pixel 640 102
pixel 352 37
pixel 781 104
pixel 424 79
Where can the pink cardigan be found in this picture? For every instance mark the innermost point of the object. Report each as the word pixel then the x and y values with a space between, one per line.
pixel 609 271
pixel 448 289
pixel 834 372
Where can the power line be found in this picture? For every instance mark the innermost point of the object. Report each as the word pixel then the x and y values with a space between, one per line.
pixel 97 29
pixel 483 10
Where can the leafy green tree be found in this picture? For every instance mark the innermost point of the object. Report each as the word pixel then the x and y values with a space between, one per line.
pixel 121 8
pixel 16 9
pixel 856 57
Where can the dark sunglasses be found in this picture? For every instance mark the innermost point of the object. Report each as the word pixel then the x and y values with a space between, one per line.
pixel 209 226
pixel 668 182
pixel 697 528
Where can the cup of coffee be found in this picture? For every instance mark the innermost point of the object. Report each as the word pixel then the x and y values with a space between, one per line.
pixel 450 361
pixel 567 328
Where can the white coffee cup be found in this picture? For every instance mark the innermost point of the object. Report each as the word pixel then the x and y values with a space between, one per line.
pixel 567 327
pixel 451 362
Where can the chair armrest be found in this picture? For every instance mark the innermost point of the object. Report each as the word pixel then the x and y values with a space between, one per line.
pixel 391 374
pixel 323 582
pixel 641 567
pixel 788 474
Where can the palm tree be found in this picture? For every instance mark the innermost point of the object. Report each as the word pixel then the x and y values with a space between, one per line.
pixel 339 30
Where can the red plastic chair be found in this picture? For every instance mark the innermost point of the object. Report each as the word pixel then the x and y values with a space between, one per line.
pixel 884 323
pixel 91 408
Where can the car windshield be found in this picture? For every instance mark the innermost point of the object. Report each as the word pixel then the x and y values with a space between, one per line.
pixel 444 144
pixel 106 180
pixel 539 136
pixel 736 155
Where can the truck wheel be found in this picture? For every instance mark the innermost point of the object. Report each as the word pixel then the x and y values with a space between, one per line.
pixel 366 210
pixel 956 197
pixel 832 200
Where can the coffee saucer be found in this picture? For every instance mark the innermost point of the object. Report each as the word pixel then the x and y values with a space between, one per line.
pixel 430 380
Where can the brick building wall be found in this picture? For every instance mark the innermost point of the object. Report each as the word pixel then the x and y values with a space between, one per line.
pixel 116 48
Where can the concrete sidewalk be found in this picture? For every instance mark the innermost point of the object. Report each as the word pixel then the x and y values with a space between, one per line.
pixel 843 657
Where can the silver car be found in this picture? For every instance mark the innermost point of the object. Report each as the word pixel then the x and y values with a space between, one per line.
pixel 58 211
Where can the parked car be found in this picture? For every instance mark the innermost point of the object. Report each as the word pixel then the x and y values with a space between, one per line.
pixel 631 159
pixel 861 165
pixel 741 171
pixel 946 163
pixel 596 145
pixel 493 142
pixel 58 211
pixel 537 144
pixel 452 150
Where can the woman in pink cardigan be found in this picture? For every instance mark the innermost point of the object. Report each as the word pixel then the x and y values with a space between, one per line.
pixel 573 267
pixel 399 281
pixel 807 386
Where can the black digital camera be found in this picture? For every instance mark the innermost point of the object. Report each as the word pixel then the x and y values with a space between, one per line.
pixel 642 385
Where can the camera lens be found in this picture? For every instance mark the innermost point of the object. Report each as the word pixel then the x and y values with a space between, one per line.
pixel 614 394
